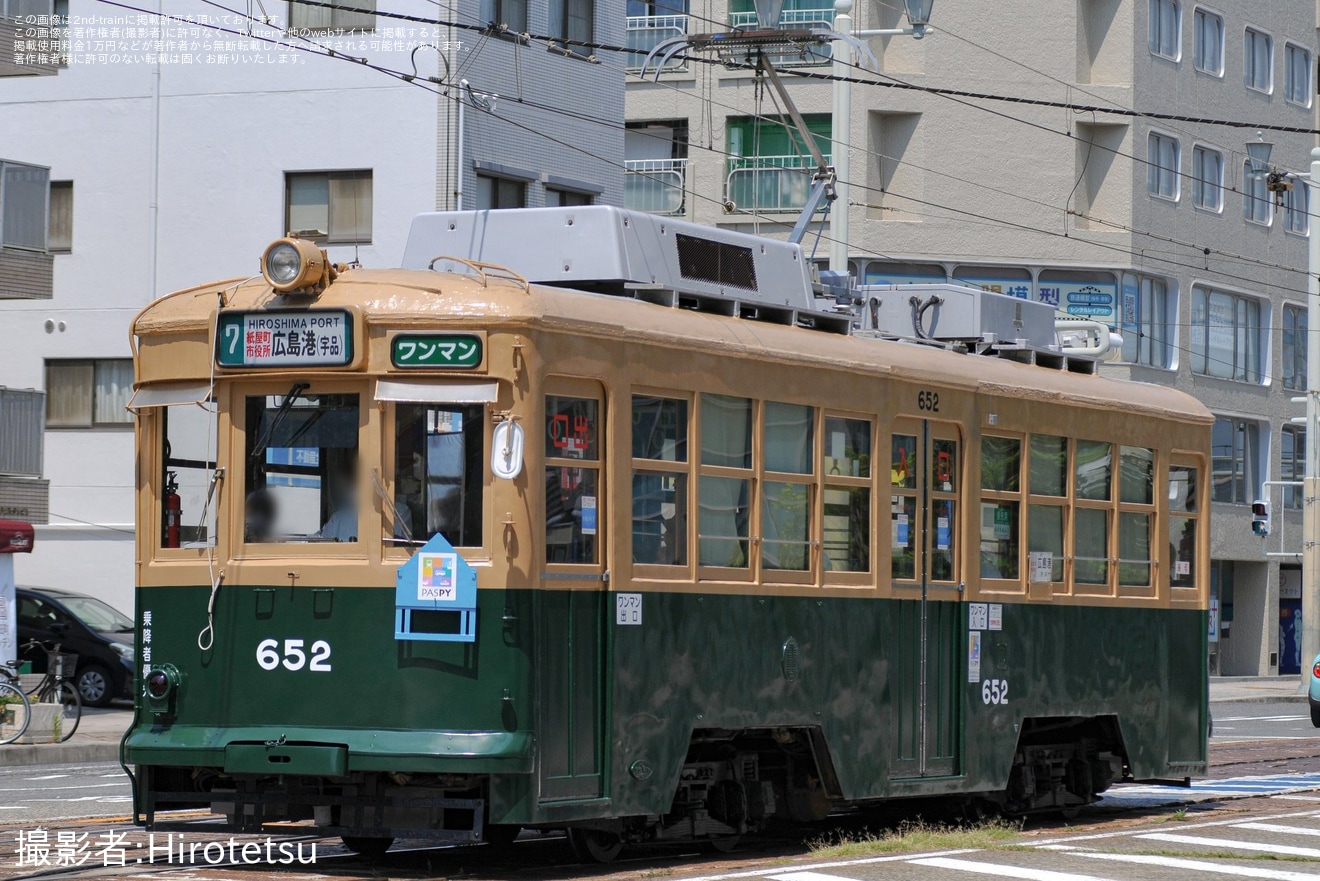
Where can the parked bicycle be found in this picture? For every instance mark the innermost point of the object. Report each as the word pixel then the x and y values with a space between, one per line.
pixel 55 688
pixel 15 711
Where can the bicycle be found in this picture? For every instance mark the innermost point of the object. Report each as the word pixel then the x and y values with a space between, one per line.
pixel 55 688
pixel 15 711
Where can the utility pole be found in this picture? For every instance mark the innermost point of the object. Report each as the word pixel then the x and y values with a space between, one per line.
pixel 1311 482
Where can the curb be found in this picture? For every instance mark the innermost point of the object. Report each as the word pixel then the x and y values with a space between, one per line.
pixel 1261 699
pixel 58 753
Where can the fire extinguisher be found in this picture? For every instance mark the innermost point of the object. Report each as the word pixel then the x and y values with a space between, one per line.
pixel 173 510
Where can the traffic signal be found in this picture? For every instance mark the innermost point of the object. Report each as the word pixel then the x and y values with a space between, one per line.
pixel 1260 517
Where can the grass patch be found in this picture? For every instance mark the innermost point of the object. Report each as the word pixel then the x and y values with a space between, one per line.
pixel 914 836
pixel 1179 815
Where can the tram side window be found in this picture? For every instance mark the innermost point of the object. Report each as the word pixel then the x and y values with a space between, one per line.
pixel 724 492
pixel 943 507
pixel 572 472
pixel 1091 523
pixel 188 454
pixel 786 500
pixel 438 473
pixel 1001 467
pixel 903 506
pixel 1183 509
pixel 660 480
pixel 302 469
pixel 1047 486
pixel 846 537
pixel 1136 514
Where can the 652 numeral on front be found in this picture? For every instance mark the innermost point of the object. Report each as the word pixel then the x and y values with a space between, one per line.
pixel 994 691
pixel 293 657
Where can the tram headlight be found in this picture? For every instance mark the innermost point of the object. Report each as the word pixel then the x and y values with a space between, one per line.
pixel 290 264
pixel 160 687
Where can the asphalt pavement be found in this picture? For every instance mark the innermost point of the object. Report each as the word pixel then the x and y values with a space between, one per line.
pixel 43 793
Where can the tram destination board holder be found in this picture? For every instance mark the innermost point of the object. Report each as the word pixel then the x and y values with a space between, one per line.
pixel 435 596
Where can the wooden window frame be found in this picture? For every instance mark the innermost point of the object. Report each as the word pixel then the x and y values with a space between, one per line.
pixel 1007 586
pixel 586 389
pixel 869 578
pixel 686 572
pixel 1151 589
pixel 1198 594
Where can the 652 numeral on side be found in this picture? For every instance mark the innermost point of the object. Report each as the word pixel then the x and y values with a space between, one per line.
pixel 294 658
pixel 928 401
pixel 994 691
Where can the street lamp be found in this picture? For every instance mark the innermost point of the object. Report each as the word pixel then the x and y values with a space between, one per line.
pixel 1258 159
pixel 918 16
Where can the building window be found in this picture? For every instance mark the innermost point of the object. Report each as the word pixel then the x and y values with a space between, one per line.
pixel 1226 335
pixel 1292 463
pixel 1208 51
pixel 573 20
pixel 1207 178
pixel 1294 347
pixel 769 167
pixel 329 207
pixel 500 192
pixel 88 393
pixel 1162 166
pixel 60 236
pixel 1165 28
pixel 1146 337
pixel 1233 447
pixel 1256 203
pixel 348 15
pixel 1296 74
pixel 558 198
pixel 1258 60
pixel 24 190
pixel 1296 208
pixel 510 14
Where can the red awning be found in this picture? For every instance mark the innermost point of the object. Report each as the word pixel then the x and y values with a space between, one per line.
pixel 15 537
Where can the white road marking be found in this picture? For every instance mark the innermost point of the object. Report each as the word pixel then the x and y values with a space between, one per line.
pixel 1297 797
pixel 1002 871
pixel 47 777
pixel 1127 833
pixel 807 876
pixel 1260 719
pixel 1277 827
pixel 1232 844
pixel 1203 866
pixel 836 864
pixel 61 788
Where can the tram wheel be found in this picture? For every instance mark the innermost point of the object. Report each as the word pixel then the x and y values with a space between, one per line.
pixel 371 848
pixel 595 846
pixel 723 844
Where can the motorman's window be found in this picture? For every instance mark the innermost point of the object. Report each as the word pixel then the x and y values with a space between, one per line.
pixel 439 473
pixel 1001 468
pixel 846 538
pixel 1183 510
pixel 572 478
pixel 302 470
pixel 725 489
pixel 660 480
pixel 186 497
pixel 1047 486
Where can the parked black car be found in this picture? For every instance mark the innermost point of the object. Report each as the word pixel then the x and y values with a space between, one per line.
pixel 99 634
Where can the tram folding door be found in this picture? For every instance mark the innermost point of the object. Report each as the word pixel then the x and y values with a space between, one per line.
pixel 926 639
pixel 570 606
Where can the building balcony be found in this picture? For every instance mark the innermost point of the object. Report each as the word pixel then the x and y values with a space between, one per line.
pixel 769 183
pixel 31 43
pixel 646 31
pixel 656 186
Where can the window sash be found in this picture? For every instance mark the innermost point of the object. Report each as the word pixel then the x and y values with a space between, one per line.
pixel 1257 64
pixel 1225 335
pixel 350 208
pixel 60 235
pixel 1208 51
pixel 1294 347
pixel 1297 75
pixel 1208 176
pixel 1255 198
pixel 24 201
pixel 1163 169
pixel 1296 208
pixel 1165 21
pixel 342 14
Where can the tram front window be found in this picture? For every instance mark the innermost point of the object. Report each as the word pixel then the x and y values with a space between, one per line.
pixel 302 467
pixel 439 472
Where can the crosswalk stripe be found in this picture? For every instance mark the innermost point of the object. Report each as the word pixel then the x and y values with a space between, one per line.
pixel 1002 871
pixel 1231 844
pixel 1298 797
pixel 1203 866
pixel 1277 827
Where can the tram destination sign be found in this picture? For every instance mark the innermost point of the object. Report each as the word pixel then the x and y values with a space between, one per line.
pixel 308 338
pixel 447 351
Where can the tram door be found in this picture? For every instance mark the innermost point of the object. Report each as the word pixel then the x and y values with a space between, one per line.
pixel 570 607
pixel 926 640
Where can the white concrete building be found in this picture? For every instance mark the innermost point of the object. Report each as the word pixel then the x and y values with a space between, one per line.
pixel 165 173
pixel 1149 223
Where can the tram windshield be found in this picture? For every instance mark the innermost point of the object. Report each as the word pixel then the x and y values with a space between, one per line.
pixel 302 467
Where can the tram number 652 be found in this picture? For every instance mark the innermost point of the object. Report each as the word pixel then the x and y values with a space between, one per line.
pixel 994 691
pixel 294 658
pixel 928 401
